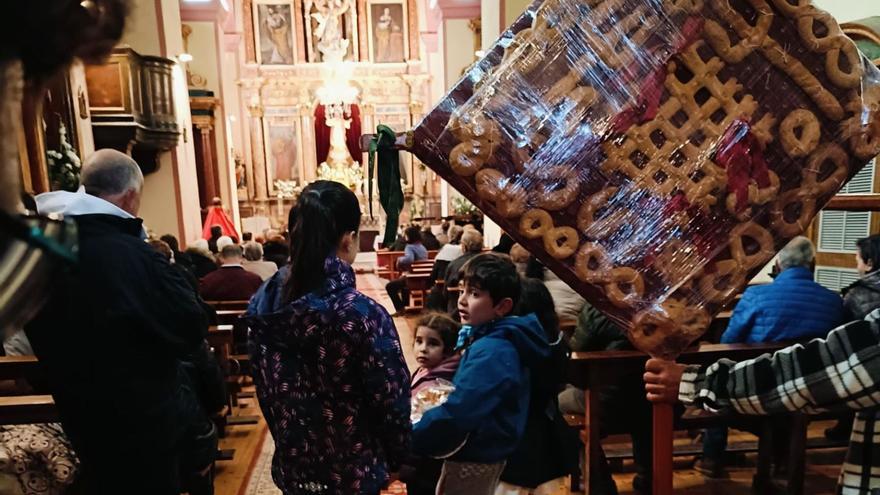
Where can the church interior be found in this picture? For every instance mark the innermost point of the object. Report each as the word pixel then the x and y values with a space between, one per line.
pixel 232 108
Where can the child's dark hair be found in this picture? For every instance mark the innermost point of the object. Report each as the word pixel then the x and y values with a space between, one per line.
pixel 494 273
pixel 445 326
pixel 869 250
pixel 536 298
pixel 413 234
pixel 324 212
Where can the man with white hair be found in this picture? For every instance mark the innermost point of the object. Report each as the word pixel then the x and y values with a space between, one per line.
pixel 792 308
pixel 110 341
pixel 253 261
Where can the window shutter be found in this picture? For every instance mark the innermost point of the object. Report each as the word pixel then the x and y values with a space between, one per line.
pixel 862 182
pixel 839 230
pixel 835 278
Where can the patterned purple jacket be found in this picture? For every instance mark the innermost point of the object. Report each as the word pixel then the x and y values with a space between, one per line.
pixel 332 384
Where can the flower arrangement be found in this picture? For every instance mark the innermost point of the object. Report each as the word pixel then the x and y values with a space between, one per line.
pixel 462 207
pixel 64 165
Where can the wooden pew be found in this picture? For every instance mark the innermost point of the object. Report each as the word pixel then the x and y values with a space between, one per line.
pixel 220 338
pixel 418 284
pixel 591 370
pixel 228 305
pixel 386 263
pixel 32 409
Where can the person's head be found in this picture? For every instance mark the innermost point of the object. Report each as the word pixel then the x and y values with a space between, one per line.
pixel 798 252
pixel 413 234
pixel 230 254
pixel 171 241
pixel 200 247
pixel 444 226
pixel 323 222
pixel 162 247
pixel 223 241
pixel 471 241
pixel 454 233
pixel 216 231
pixel 490 288
pixel 436 334
pixel 868 254
pixel 247 236
pixel 114 177
pixel 519 254
pixel 535 298
pixel 253 251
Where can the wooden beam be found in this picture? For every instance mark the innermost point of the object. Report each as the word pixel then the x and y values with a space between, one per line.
pixel 855 202
pixel 400 142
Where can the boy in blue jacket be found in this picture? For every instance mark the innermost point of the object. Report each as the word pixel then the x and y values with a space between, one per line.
pixel 484 419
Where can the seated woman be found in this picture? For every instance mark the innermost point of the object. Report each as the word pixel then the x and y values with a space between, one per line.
pixel 327 363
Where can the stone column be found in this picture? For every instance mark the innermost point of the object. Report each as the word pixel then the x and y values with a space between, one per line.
pixel 209 171
pixel 255 109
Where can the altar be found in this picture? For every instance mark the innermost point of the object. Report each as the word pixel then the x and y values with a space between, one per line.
pixel 318 74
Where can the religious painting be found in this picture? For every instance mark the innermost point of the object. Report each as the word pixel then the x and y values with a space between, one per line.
pixel 388 31
pixel 274 32
pixel 283 154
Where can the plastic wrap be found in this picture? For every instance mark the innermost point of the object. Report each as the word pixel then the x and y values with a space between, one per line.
pixel 657 154
pixel 429 397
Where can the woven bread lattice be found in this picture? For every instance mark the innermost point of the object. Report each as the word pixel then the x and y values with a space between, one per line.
pixel 655 155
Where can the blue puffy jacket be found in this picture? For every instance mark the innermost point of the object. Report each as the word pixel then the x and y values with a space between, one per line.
pixel 793 307
pixel 484 418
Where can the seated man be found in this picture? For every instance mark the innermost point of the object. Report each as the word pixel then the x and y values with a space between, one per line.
pixel 836 373
pixel 793 307
pixel 231 282
pixel 414 251
pixel 254 263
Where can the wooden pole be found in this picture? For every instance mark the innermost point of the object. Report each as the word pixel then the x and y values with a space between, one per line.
pixel 662 458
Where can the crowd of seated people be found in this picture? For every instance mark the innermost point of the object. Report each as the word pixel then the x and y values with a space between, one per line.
pixel 510 383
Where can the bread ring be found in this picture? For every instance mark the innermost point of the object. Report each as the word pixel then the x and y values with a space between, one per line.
pixel 535 223
pixel 488 183
pixel 830 40
pixel 807 122
pixel 728 274
pixel 828 151
pixel 508 197
pixel 783 223
pixel 625 287
pixel 848 79
pixel 761 236
pixel 548 195
pixel 561 242
pixel 468 157
pixel 592 264
pixel 587 213
pixel 795 10
pixel 654 328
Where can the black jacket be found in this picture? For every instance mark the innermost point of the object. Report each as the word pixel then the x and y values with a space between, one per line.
pixel 110 341
pixel 862 296
pixel 549 448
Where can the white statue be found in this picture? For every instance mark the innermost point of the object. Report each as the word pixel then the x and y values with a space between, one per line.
pixel 329 16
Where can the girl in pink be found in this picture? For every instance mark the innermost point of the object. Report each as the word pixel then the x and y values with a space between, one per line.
pixel 434 348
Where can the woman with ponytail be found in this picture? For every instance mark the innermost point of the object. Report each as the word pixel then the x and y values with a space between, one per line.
pixel 326 359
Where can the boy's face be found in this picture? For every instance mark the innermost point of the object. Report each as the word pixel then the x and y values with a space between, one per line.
pixel 475 306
